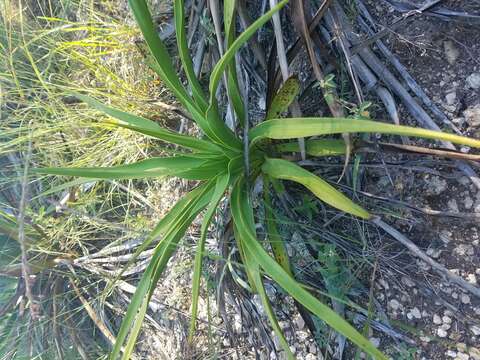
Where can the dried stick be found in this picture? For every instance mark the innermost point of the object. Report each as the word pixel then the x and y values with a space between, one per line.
pixel 415 250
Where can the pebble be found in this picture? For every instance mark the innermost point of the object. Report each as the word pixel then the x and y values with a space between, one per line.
pixel 451 98
pixel 472 116
pixel 453 206
pixel 451 52
pixel 442 333
pixel 451 353
pixel 416 313
pixel 472 279
pixel 446 320
pixel 464 249
pixel 465 299
pixel 474 353
pixel 437 320
pixel 462 356
pixel 473 81
pixel 468 202
pixel 394 304
pixel 475 330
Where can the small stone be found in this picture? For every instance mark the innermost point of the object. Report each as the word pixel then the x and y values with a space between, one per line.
pixel 442 333
pixel 473 81
pixel 446 327
pixel 453 206
pixel 474 353
pixel 475 330
pixel 462 356
pixel 299 322
pixel 472 279
pixel 472 116
pixel 310 357
pixel 446 320
pixel 375 341
pixel 451 51
pixel 468 202
pixel 451 353
pixel 394 304
pixel 465 299
pixel 451 98
pixel 425 339
pixel 416 313
pixel 462 347
pixel 437 320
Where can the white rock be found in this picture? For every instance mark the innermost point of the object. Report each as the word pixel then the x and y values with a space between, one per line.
pixel 472 279
pixel 464 249
pixel 394 304
pixel 475 330
pixel 453 206
pixel 310 357
pixel 474 353
pixel 375 341
pixel 446 327
pixel 442 333
pixel 437 320
pixel 473 81
pixel 446 320
pixel 451 353
pixel 472 116
pixel 465 299
pixel 462 356
pixel 416 313
pixel 468 202
pixel 451 98
pixel 451 51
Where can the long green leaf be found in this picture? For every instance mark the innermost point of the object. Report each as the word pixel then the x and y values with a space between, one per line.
pixel 274 238
pixel 241 212
pixel 149 127
pixel 180 166
pixel 181 35
pixel 286 170
pixel 222 182
pixel 303 127
pixel 317 147
pixel 172 228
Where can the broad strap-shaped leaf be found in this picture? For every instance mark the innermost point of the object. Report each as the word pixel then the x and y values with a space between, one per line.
pixel 172 230
pixel 276 242
pixel 241 212
pixel 286 170
pixel 221 185
pixel 181 166
pixel 184 53
pixel 303 127
pixel 317 147
pixel 149 127
pixel 284 97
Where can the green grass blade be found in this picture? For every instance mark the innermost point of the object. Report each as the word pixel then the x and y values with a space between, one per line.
pixel 179 16
pixel 222 182
pixel 286 170
pixel 285 96
pixel 242 212
pixel 304 127
pixel 149 127
pixel 233 87
pixel 172 229
pixel 317 147
pixel 181 166
pixel 165 67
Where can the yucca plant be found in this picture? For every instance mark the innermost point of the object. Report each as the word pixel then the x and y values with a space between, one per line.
pixel 225 164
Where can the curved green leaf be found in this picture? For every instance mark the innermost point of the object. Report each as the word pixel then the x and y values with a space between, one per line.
pixel 181 166
pixel 222 182
pixel 286 170
pixel 172 231
pixel 317 147
pixel 303 127
pixel 181 35
pixel 241 212
pixel 149 127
